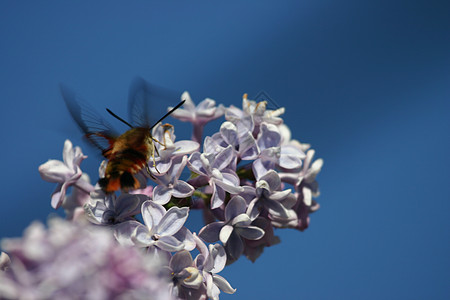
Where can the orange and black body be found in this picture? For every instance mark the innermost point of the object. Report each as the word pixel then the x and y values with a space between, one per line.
pixel 127 153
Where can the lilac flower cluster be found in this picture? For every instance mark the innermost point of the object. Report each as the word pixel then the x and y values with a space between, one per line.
pixel 72 260
pixel 249 178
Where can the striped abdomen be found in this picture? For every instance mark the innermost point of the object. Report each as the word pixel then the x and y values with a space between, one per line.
pixel 129 154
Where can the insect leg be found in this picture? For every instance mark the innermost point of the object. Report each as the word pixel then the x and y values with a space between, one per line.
pixel 155 140
pixel 153 156
pixel 149 172
pixel 157 152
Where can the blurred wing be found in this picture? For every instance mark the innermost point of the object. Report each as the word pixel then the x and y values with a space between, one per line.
pixel 96 129
pixel 147 103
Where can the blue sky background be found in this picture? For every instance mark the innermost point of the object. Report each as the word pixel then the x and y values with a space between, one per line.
pixel 365 82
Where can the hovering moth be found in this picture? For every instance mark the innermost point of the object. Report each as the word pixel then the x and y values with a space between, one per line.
pixel 127 153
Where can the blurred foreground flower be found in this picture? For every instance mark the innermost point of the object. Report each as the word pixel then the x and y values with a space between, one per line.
pixel 77 260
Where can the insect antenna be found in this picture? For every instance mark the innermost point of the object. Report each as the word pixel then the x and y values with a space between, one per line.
pixel 119 118
pixel 168 114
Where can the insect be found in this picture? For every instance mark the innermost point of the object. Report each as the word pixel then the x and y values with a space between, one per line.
pixel 127 153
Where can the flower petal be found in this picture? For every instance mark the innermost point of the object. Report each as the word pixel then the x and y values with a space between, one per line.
pixel 241 220
pixel 220 257
pixel 58 196
pixel 212 290
pixel 275 208
pixel 213 144
pixel 192 277
pixel 273 179
pixel 206 107
pixel 235 207
pixel 123 232
pixel 210 233
pixel 253 209
pixel 269 136
pixel 55 171
pixel 229 133
pixel 235 246
pixel 182 189
pixel 288 161
pixel 173 220
pixel 223 284
pixel 248 149
pixel 278 196
pixel 218 196
pixel 161 194
pixel 185 147
pixel 195 164
pixel 307 196
pixel 188 104
pixel 152 213
pixel 260 168
pixel 141 236
pixel 250 232
pixel 129 205
pixel 225 233
pixel 185 236
pixel 230 182
pixel 162 165
pixel 68 154
pixel 224 158
pixel 169 243
pixel 178 164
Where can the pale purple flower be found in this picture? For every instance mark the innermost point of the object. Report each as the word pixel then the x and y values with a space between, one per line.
pixel 269 197
pixel 170 149
pixel 253 114
pixel 235 227
pixel 273 154
pixel 110 209
pixel 214 144
pixel 77 259
pixel 169 184
pixel 187 280
pixel 214 169
pixel 199 115
pixel 307 174
pixel 305 177
pixel 162 233
pixel 289 221
pixel 302 211
pixel 287 156
pixel 66 173
pixel 240 138
pixel 211 261
pixel 290 157
pixel 306 186
pixel 74 202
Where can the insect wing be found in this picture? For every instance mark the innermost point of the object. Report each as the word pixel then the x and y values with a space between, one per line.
pixel 99 132
pixel 147 103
